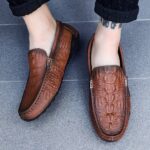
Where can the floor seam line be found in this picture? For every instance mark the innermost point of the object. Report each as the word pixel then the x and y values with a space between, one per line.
pixel 73 80
pixel 94 21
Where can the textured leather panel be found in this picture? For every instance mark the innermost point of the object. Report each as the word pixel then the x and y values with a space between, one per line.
pixel 37 65
pixel 46 74
pixel 109 98
pixel 53 76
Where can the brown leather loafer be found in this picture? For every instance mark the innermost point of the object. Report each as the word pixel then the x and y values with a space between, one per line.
pixel 109 99
pixel 46 72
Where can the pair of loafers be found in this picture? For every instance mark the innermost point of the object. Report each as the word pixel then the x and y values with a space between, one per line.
pixel 109 93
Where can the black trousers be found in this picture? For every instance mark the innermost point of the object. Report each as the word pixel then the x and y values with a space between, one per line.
pixel 121 11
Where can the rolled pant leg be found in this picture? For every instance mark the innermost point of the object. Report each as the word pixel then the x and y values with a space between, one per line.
pixel 121 11
pixel 24 7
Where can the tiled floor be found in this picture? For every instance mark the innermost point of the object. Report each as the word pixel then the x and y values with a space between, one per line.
pixel 66 124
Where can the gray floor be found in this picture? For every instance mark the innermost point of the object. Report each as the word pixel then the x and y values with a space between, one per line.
pixel 66 124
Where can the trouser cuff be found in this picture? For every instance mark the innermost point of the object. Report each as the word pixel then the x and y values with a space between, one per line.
pixel 27 8
pixel 115 15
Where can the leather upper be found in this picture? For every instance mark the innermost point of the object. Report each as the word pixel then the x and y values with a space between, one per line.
pixel 45 74
pixel 109 98
pixel 37 65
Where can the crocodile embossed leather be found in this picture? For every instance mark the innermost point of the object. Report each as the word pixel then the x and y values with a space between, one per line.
pixel 46 73
pixel 110 99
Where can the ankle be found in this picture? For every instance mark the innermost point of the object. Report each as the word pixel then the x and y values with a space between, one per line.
pixel 43 33
pixel 106 36
pixel 43 39
pixel 105 46
pixel 41 27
